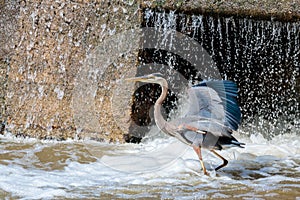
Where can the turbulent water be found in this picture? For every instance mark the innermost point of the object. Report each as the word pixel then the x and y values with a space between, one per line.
pixel 160 168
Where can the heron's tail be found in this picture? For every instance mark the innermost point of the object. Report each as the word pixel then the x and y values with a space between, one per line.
pixel 226 142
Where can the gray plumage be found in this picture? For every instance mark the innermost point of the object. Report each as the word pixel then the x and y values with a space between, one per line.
pixel 212 116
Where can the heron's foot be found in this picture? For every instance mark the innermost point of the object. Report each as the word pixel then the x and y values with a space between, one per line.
pixel 204 169
pixel 225 162
pixel 206 173
pixel 197 149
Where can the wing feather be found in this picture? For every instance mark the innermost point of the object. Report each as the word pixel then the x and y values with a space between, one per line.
pixel 216 100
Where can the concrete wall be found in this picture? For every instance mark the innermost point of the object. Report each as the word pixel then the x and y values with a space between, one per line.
pixel 264 9
pixel 52 41
pixel 44 45
pixel 3 78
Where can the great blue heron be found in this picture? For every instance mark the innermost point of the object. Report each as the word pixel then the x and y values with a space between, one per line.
pixel 213 116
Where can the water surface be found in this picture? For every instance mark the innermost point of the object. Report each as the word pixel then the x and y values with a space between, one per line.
pixel 159 168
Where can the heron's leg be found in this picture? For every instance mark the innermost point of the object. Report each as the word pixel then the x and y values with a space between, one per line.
pixel 225 162
pixel 197 149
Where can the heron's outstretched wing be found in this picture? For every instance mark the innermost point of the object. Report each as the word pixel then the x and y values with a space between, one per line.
pixel 216 100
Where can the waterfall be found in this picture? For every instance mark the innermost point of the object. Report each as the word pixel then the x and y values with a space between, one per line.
pixel 262 57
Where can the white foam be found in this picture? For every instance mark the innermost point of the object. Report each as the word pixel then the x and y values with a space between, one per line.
pixel 156 165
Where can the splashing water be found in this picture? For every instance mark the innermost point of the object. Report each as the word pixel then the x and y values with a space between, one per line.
pixel 261 56
pixel 267 168
pixel 33 169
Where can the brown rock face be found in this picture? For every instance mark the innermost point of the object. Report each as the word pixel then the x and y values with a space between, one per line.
pixel 52 45
pixel 8 25
pixel 62 62
pixel 283 10
pixel 3 70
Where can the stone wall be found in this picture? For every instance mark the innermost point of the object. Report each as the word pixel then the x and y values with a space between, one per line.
pixel 8 19
pixel 53 40
pixel 286 10
pixel 44 45
pixel 3 72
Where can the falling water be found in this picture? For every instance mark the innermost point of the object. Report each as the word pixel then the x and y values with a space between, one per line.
pixel 262 57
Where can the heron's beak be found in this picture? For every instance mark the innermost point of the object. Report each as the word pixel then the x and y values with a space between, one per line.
pixel 135 79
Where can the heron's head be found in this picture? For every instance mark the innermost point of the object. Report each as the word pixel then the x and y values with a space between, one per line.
pixel 151 78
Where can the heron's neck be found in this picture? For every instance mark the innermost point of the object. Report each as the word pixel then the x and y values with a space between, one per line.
pixel 159 119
